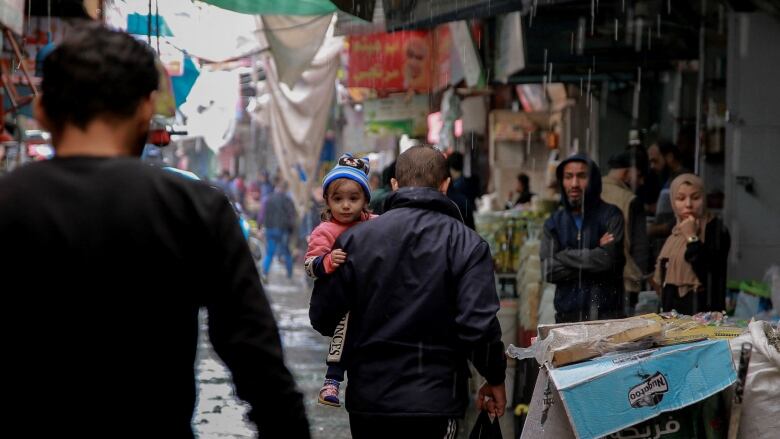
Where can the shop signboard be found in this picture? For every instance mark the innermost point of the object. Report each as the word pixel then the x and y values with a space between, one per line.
pixel 391 62
pixel 12 15
pixel 397 115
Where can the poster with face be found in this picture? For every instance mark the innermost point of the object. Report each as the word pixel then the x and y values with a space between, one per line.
pixel 391 62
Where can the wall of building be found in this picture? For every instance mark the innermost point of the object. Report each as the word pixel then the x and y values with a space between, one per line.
pixel 753 144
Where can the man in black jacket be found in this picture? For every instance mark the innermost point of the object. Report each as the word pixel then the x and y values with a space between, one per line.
pixel 582 247
pixel 420 290
pixel 107 262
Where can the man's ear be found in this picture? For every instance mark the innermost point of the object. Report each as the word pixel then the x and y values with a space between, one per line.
pixel 146 107
pixel 39 113
pixel 445 185
pixel 394 184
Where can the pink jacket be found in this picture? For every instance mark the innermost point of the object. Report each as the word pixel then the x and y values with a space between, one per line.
pixel 322 239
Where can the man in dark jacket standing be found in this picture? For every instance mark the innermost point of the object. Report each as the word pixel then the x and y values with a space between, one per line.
pixel 108 261
pixel 420 290
pixel 582 247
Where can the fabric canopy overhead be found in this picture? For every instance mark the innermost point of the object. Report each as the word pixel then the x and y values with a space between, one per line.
pixel 298 117
pixel 276 7
pixel 293 40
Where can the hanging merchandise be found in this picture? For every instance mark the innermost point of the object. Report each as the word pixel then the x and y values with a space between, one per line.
pixel 467 51
pixel 510 47
pixel 450 111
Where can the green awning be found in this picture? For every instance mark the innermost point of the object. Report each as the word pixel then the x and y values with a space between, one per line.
pixel 276 7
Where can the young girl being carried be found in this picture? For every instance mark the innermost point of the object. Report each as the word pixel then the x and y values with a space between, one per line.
pixel 346 193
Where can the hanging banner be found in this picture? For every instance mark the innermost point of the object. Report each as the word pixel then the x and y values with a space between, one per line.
pixel 510 48
pixel 443 62
pixel 468 53
pixel 12 15
pixel 391 62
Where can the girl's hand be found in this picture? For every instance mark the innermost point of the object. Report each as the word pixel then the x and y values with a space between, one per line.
pixel 338 257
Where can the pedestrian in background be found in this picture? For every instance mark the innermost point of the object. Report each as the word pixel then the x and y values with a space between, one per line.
pixel 420 290
pixel 109 262
pixel 667 161
pixel 692 266
pixel 279 221
pixel 379 195
pixel 522 194
pixel 616 190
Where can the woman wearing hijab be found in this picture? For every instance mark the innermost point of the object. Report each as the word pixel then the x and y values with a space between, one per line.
pixel 691 268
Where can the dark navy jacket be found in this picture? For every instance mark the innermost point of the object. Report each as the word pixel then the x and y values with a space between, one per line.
pixel 588 278
pixel 420 290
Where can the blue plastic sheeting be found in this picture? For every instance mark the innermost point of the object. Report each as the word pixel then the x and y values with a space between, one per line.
pixel 184 83
pixel 139 25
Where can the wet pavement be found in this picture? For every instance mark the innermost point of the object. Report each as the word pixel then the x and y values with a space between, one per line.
pixel 220 414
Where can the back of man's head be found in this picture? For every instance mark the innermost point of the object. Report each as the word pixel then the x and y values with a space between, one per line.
pixel 421 166
pixel 96 73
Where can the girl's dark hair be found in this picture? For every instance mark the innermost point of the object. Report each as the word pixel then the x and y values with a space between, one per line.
pixel 96 72
pixel 326 214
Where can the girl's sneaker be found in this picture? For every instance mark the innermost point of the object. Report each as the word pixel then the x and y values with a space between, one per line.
pixel 329 393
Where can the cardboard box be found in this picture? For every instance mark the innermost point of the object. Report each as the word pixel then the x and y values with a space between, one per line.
pixel 610 393
pixel 575 342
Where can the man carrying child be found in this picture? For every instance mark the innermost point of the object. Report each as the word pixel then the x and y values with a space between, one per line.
pixel 420 291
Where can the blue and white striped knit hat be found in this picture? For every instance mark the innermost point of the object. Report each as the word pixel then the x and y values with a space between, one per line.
pixel 352 168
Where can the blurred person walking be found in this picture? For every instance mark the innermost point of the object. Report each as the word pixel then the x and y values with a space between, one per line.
pixel 279 218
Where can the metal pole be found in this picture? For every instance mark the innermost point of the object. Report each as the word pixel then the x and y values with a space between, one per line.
pixel 700 85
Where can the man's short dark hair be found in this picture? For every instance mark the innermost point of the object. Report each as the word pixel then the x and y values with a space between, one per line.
pixel 667 147
pixel 522 178
pixel 455 161
pixel 96 72
pixel 421 166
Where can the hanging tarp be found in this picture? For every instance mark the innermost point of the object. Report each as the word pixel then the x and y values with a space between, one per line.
pixel 276 7
pixel 293 40
pixel 197 29
pixel 12 15
pixel 138 24
pixel 183 84
pixel 299 116
pixel 211 107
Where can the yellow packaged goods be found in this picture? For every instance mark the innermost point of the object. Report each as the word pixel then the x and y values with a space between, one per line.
pixel 685 329
pixel 570 343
